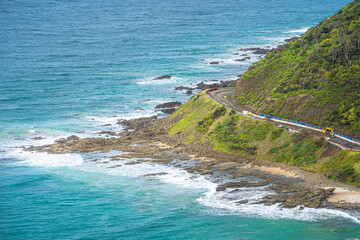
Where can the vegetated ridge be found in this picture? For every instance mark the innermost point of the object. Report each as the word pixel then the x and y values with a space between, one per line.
pixel 203 122
pixel 313 79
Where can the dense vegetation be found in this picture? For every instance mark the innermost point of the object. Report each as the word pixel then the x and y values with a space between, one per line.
pixel 314 79
pixel 202 121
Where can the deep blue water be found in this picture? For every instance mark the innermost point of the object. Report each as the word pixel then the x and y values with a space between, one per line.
pixel 72 67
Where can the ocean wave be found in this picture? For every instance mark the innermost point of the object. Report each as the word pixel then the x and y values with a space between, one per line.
pixel 226 203
pixel 37 159
pixel 151 81
pixel 301 30
pixel 217 202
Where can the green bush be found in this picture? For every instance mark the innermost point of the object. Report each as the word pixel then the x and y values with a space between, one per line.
pixel 343 167
pixel 276 133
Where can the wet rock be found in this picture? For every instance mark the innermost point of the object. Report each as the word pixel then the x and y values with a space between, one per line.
pixel 240 59
pixel 154 174
pixel 290 39
pixel 240 184
pixel 207 171
pixel 242 202
pixel 110 133
pixel 257 50
pixel 214 63
pixel 189 92
pixel 168 110
pixel 72 138
pixel 132 163
pixel 221 84
pixel 169 105
pixel 312 198
pixel 184 88
pixel 38 138
pixel 162 77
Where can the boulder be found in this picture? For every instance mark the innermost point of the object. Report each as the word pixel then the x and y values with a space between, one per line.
pixel 162 77
pixel 290 39
pixel 169 105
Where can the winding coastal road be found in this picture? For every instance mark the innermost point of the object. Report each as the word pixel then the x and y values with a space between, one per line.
pixel 223 97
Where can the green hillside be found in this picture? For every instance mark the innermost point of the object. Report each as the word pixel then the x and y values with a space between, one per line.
pixel 208 125
pixel 314 79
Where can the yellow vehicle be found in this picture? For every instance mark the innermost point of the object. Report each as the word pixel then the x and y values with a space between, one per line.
pixel 328 130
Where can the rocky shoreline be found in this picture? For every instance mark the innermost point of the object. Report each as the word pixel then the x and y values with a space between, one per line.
pixel 147 140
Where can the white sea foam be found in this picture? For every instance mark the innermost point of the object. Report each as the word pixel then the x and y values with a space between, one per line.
pixel 114 119
pixel 151 81
pixel 173 175
pixel 301 30
pixel 225 203
pixel 45 160
pixel 218 203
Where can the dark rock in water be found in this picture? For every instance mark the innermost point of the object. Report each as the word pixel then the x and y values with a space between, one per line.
pixel 221 84
pixel 61 140
pixel 240 184
pixel 110 133
pixel 257 50
pixel 169 104
pixel 290 39
pixel 242 201
pixel 132 163
pixel 239 75
pixel 189 92
pixel 125 123
pixel 154 174
pixel 168 110
pixel 236 53
pixel 106 125
pixel 38 138
pixel 162 77
pixel 184 88
pixel 240 60
pixel 72 138
pixel 212 63
pixel 292 196
pixel 203 86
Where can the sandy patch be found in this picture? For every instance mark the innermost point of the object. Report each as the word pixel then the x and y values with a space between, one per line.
pixel 272 170
pixel 278 171
pixel 202 159
pixel 161 145
pixel 344 195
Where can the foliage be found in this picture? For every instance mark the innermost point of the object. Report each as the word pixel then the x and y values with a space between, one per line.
pixel 343 167
pixel 314 79
pixel 300 150
pixel 204 124
pixel 276 133
pixel 227 131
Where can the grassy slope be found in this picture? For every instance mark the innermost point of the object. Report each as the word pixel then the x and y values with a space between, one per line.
pixel 201 120
pixel 314 79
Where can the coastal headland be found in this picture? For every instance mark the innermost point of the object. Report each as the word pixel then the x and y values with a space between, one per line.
pixel 313 78
pixel 181 137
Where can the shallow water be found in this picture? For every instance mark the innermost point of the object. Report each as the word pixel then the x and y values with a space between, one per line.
pixel 72 67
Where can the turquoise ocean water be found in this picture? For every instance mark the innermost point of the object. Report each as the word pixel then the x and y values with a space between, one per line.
pixel 76 67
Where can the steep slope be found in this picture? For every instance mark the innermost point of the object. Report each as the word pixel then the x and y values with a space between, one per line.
pixel 207 126
pixel 314 79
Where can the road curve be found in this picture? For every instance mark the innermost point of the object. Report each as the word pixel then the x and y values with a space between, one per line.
pixel 223 97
